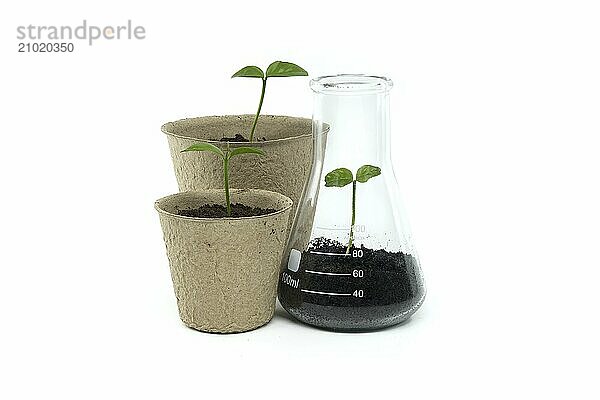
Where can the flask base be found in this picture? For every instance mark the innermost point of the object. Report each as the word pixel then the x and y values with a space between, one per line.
pixel 354 319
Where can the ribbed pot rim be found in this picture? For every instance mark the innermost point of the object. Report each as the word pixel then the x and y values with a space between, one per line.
pixel 288 205
pixel 165 126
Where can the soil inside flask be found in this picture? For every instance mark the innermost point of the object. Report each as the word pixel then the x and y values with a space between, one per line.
pixel 355 290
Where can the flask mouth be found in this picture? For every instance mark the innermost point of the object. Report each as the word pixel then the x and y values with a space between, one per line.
pixel 351 84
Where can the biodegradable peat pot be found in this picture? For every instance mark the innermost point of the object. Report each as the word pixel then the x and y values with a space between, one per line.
pixel 284 168
pixel 225 270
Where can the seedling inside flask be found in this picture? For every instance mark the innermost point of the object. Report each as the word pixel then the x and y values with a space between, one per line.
pixel 341 177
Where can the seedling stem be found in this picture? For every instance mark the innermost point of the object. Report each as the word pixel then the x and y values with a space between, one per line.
pixel 353 217
pixel 260 103
pixel 226 157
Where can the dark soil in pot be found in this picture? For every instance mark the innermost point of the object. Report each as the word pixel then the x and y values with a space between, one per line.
pixel 220 211
pixel 365 289
pixel 239 138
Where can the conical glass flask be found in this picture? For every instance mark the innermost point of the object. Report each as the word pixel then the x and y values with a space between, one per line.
pixel 350 263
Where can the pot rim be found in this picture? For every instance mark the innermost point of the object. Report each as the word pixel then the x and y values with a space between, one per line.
pixel 163 128
pixel 287 207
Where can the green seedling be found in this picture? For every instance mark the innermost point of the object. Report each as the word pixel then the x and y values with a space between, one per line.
pixel 226 157
pixel 276 69
pixel 341 177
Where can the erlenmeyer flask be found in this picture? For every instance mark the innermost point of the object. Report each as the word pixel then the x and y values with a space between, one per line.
pixel 350 263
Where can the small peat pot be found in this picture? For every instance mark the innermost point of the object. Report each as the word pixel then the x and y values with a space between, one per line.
pixel 225 268
pixel 285 141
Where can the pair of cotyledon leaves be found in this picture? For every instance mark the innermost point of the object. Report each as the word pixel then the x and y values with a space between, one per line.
pixel 276 69
pixel 340 177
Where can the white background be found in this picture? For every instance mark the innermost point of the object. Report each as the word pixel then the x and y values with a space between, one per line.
pixel 496 119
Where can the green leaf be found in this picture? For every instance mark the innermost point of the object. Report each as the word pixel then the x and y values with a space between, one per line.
pixel 339 177
pixel 282 69
pixel 367 172
pixel 250 71
pixel 245 150
pixel 205 147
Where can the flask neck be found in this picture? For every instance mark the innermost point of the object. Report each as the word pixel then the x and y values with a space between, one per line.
pixel 355 125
